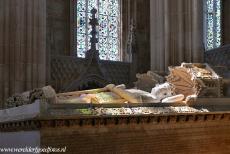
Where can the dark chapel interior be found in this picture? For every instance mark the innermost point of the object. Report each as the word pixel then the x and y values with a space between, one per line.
pixel 53 43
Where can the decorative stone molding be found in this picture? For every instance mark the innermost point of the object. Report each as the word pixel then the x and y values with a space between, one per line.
pixel 65 70
pixel 60 122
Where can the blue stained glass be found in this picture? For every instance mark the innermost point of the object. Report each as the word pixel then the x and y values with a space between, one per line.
pixel 103 7
pixel 92 4
pixel 103 46
pixel 218 23
pixel 113 7
pixel 81 22
pixel 109 28
pixel 81 44
pixel 113 43
pixel 81 5
pixel 213 24
pixel 113 31
pixel 103 24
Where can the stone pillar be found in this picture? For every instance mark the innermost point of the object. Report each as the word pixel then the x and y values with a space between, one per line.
pixel 136 13
pixel 176 33
pixel 22 46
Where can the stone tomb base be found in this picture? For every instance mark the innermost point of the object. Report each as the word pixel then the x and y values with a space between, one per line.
pixel 178 133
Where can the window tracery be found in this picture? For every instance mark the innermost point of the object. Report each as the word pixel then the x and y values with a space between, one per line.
pixel 109 28
pixel 213 24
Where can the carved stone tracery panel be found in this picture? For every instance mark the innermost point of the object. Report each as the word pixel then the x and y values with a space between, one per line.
pixel 65 70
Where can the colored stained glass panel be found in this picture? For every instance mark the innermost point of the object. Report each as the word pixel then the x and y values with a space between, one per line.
pixel 108 29
pixel 81 44
pixel 213 24
pixel 81 22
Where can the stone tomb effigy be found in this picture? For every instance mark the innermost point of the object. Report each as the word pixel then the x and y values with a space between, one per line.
pixel 187 86
pixel 130 120
pixel 70 121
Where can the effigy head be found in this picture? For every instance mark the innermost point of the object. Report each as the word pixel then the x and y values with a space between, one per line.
pixel 162 91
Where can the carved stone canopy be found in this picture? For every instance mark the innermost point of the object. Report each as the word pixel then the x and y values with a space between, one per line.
pixel 92 76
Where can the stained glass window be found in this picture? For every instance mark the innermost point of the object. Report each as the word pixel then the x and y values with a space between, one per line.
pixel 213 24
pixel 108 31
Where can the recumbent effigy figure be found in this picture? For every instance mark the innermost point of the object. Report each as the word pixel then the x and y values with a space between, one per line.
pixel 183 83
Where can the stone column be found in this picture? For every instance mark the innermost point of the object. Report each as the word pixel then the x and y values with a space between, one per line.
pixel 136 12
pixel 22 46
pixel 176 33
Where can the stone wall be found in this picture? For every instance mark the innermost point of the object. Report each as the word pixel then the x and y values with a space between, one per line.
pixel 176 32
pixel 58 34
pixel 143 35
pixel 129 139
pixel 172 133
pixel 132 135
pixel 58 27
pixel 22 46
